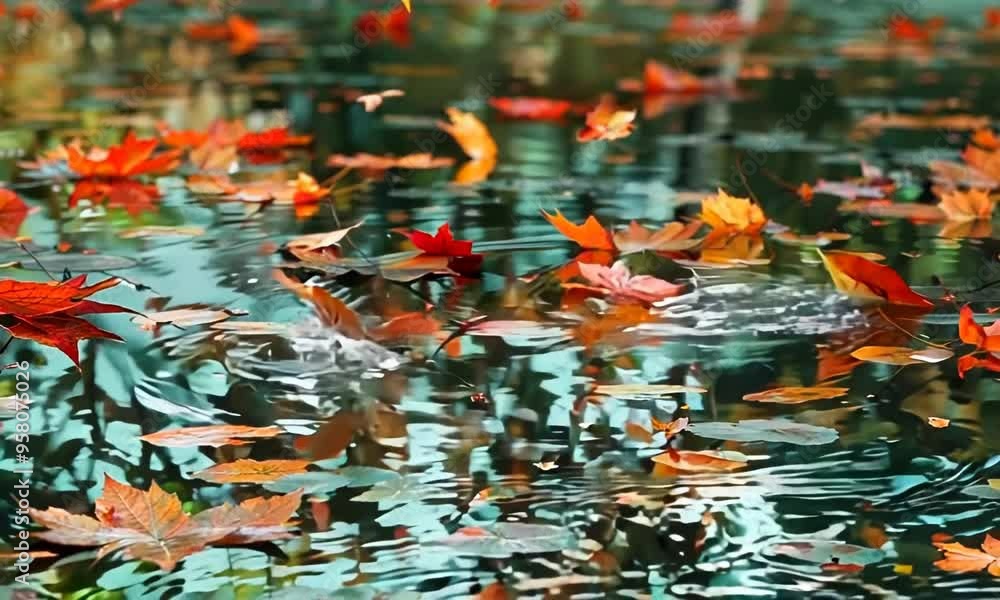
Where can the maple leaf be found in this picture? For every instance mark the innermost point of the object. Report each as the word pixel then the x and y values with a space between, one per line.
pixel 332 311
pixel 252 471
pixel 796 395
pixel 470 133
pixel 591 235
pixel 49 313
pixel 131 158
pixel 13 212
pixel 135 197
pixel 858 277
pixel 242 34
pixel 969 205
pixel 731 214
pixel 459 252
pixel 268 146
pixel 540 109
pixel 152 526
pixel 673 461
pixel 619 283
pixel 181 138
pixel 606 122
pixel 307 190
pixel 962 559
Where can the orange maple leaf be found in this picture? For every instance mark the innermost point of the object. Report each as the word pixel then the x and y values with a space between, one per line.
pixel 13 212
pixel 591 235
pixel 607 122
pixel 152 526
pixel 962 559
pixel 968 205
pixel 130 158
pixel 731 214
pixel 470 133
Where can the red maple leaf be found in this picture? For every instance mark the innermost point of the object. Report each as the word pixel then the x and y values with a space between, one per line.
pixel 13 211
pixel 49 313
pixel 443 243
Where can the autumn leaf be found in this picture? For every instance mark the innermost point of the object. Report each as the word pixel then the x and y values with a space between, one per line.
pixel 607 122
pixel 970 332
pixel 332 311
pixel 376 164
pixel 49 313
pixel 470 133
pixel 670 428
pixel 319 245
pixel 671 237
pixel 618 283
pixel 252 471
pixel 731 214
pixel 533 109
pixel 152 526
pixel 968 205
pixel 406 3
pixel 938 422
pixel 307 190
pixel 961 559
pixel 658 78
pixel 901 355
pixel 590 235
pixel 442 243
pixel 796 395
pixel 131 158
pixel 690 461
pixel 858 277
pixel 210 435
pixel 13 212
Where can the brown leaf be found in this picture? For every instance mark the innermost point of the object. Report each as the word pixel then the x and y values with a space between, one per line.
pixel 901 355
pixel 796 395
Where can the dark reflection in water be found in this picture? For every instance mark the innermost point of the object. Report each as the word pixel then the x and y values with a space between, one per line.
pixel 443 467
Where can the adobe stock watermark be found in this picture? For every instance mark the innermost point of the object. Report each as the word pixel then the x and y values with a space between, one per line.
pixel 754 159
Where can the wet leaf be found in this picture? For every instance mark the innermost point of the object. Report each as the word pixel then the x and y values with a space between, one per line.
pixel 901 355
pixel 707 461
pixel 151 525
pixel 607 122
pixel 861 278
pixel 210 435
pixel 671 237
pixel 13 212
pixel 252 471
pixel 962 559
pixel 729 214
pixel 618 283
pixel 796 395
pixel 470 133
pixel 590 235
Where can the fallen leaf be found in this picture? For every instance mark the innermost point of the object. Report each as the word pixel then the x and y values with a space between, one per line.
pixel 901 355
pixel 152 526
pixel 707 461
pixel 971 332
pixel 606 122
pixel 618 283
pixel 961 559
pixel 542 109
pixel 470 133
pixel 968 205
pixel 376 164
pixel 13 212
pixel 590 235
pixel 938 422
pixel 210 435
pixel 252 471
pixel 861 278
pixel 671 237
pixel 796 395
pixel 658 78
pixel 49 313
pixel 670 428
pixel 317 245
pixel 731 214
pixel 183 317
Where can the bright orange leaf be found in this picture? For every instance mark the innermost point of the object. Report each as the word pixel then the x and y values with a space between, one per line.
pixel 732 214
pixel 607 122
pixel 131 158
pixel 962 559
pixel 252 471
pixel 861 278
pixel 533 109
pixel 470 133
pixel 590 235
pixel 968 205
pixel 689 461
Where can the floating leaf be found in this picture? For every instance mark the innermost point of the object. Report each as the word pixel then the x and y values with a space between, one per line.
pixel 151 525
pixel 765 430
pixel 861 278
pixel 961 559
pixel 252 471
pixel 796 395
pixel 698 462
pixel 901 355
pixel 618 283
pixel 591 235
pixel 607 122
pixel 210 435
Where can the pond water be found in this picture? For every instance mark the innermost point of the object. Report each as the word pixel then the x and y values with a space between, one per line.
pixel 467 453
